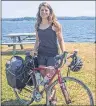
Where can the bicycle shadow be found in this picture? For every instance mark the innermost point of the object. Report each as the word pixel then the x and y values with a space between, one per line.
pixel 16 103
pixel 10 103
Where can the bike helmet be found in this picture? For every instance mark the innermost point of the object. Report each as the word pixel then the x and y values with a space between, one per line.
pixel 76 64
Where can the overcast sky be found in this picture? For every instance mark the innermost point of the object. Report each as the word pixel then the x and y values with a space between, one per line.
pixel 13 9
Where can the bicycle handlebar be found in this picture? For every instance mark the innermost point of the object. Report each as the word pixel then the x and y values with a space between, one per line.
pixel 59 58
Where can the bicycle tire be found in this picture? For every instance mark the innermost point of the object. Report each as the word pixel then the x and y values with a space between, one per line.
pixel 22 99
pixel 76 98
pixel 24 96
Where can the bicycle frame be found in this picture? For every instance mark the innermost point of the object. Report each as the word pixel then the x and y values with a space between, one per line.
pixel 60 81
pixel 65 83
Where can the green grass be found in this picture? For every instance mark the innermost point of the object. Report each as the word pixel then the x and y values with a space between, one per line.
pixel 87 73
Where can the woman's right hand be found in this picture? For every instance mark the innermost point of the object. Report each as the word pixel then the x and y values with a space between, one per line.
pixel 33 53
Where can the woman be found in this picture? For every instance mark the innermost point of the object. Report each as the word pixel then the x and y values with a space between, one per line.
pixel 48 31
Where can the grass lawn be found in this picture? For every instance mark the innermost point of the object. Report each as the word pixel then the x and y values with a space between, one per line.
pixel 87 73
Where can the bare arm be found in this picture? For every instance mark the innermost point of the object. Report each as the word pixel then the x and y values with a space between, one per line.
pixel 61 41
pixel 60 38
pixel 36 43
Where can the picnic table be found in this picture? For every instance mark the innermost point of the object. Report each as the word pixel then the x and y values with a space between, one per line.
pixel 14 36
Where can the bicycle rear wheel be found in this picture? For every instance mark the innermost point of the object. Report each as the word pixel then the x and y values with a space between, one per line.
pixel 25 95
pixel 79 93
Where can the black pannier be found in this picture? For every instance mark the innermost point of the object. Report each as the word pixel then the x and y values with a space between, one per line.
pixel 16 73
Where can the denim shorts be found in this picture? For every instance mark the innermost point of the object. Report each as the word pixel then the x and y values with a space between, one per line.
pixel 46 60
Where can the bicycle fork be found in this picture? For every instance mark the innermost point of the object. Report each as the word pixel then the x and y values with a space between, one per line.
pixel 64 89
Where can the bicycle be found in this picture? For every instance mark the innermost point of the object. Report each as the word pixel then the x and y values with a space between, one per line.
pixel 69 90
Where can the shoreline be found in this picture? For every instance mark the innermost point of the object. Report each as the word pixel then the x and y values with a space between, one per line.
pixel 69 46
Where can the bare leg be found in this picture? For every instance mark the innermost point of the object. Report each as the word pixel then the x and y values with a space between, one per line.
pixel 52 97
pixel 43 72
pixel 51 70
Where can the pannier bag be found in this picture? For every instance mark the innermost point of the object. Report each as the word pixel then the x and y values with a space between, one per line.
pixel 15 72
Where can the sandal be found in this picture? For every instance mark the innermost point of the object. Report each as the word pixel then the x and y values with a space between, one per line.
pixel 53 101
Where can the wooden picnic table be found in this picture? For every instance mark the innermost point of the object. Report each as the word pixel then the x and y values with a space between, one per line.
pixel 20 42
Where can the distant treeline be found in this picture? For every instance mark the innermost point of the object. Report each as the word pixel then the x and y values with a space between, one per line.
pixel 59 18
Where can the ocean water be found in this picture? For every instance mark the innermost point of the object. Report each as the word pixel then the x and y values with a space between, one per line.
pixel 73 30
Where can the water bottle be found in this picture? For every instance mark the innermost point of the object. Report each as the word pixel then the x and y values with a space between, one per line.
pixel 49 75
pixel 38 78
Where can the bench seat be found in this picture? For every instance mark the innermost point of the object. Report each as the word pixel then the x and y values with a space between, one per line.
pixel 17 43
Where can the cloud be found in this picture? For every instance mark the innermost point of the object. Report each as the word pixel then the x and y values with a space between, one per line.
pixel 61 8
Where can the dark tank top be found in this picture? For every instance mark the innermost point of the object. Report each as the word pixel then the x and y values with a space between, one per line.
pixel 47 42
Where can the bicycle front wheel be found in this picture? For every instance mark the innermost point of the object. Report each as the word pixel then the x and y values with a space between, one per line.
pixel 79 93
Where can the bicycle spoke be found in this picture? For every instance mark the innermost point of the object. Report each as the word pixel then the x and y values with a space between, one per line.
pixel 25 95
pixel 77 90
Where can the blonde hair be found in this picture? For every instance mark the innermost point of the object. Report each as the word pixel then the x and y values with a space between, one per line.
pixel 51 18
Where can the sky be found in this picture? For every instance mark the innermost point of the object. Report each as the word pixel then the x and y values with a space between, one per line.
pixel 14 9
